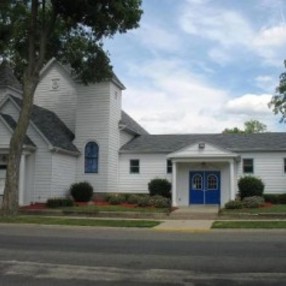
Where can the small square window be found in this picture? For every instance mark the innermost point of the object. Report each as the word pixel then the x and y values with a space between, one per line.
pixel 134 166
pixel 248 166
pixel 169 167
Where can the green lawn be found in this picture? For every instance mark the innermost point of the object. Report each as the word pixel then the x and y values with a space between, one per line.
pixel 77 221
pixel 275 209
pixel 249 224
pixel 114 208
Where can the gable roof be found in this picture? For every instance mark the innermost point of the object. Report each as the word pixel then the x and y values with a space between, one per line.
pixel 131 125
pixel 67 69
pixel 7 77
pixel 232 142
pixel 12 124
pixel 53 129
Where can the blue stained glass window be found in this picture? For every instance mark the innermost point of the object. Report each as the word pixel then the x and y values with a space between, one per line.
pixel 91 157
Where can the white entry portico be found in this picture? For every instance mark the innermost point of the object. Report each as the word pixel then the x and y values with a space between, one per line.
pixel 200 171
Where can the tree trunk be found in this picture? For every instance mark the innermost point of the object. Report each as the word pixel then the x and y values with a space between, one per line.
pixel 11 191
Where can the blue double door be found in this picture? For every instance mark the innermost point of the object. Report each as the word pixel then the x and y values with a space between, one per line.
pixel 205 187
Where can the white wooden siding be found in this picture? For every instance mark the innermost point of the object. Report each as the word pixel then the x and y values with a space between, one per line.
pixel 63 174
pixel 93 113
pixel 114 138
pixel 151 166
pixel 193 150
pixel 29 179
pixel 270 168
pixel 63 100
pixel 5 135
pixel 125 137
pixel 42 163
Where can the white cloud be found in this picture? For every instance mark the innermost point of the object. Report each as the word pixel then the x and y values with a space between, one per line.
pixel 249 104
pixel 230 33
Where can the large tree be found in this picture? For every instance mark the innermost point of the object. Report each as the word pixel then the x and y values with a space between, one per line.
pixel 278 101
pixel 251 126
pixel 33 31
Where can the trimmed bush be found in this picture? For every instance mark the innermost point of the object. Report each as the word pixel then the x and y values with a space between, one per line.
pixel 160 187
pixel 232 205
pixel 253 202
pixel 160 202
pixel 282 199
pixel 117 199
pixel 144 201
pixel 59 202
pixel 275 198
pixel 250 186
pixel 133 199
pixel 271 198
pixel 81 192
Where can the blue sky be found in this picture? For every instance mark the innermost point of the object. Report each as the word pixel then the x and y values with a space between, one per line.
pixel 197 66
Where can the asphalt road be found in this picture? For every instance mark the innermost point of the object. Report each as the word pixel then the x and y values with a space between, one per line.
pixel 35 255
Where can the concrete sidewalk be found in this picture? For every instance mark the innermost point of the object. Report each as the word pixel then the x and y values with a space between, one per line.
pixel 185 225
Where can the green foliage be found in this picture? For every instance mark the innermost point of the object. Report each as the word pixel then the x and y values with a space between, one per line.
pixel 133 199
pixel 161 187
pixel 250 186
pixel 81 192
pixel 278 101
pixel 117 199
pixel 71 31
pixel 160 202
pixel 253 202
pixel 144 201
pixel 275 198
pixel 59 202
pixel 254 126
pixel 251 126
pixel 231 205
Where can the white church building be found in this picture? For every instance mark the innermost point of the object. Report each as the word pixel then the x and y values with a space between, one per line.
pixel 79 133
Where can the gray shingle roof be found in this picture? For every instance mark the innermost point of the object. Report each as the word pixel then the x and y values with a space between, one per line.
pixel 231 142
pixel 7 77
pixel 131 124
pixel 52 127
pixel 12 123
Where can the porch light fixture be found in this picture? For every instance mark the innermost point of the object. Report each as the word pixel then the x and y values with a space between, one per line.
pixel 202 145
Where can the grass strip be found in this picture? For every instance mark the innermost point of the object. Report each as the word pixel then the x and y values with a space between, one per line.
pixel 275 209
pixel 110 208
pixel 77 221
pixel 249 224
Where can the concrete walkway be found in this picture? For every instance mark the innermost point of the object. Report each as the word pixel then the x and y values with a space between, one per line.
pixel 185 225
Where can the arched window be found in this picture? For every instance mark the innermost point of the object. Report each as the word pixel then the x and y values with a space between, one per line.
pixel 91 157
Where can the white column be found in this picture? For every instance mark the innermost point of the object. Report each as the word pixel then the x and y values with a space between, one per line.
pixel 232 182
pixel 174 185
pixel 22 180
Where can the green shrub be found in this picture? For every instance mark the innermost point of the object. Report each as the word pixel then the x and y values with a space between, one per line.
pixel 282 199
pixel 117 199
pixel 231 205
pixel 81 192
pixel 59 202
pixel 253 202
pixel 275 198
pixel 133 199
pixel 144 201
pixel 160 202
pixel 250 186
pixel 271 198
pixel 161 187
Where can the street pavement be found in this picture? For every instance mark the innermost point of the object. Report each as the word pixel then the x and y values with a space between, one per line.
pixel 48 255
